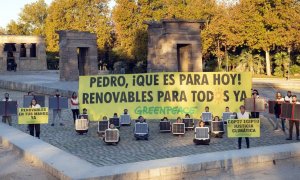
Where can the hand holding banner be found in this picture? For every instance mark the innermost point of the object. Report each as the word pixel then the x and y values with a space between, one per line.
pixel 33 115
pixel 243 128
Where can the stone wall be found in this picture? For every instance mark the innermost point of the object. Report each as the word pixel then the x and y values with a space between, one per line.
pixel 164 41
pixel 27 63
pixel 69 44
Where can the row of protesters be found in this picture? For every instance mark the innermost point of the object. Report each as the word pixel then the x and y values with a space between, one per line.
pixel 289 98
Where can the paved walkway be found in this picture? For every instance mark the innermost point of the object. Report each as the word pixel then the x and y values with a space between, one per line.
pixel 13 167
pixel 288 169
pixel 161 145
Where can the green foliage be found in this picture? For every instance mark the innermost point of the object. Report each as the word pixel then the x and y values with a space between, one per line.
pixel 237 31
pixel 81 15
pixel 295 69
pixel 282 62
pixel 31 20
pixel 14 28
pixel 2 31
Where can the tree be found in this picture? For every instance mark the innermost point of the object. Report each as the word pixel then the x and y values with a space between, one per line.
pixel 14 28
pixel 125 20
pixel 81 15
pixel 34 16
pixel 2 31
pixel 31 20
pixel 282 62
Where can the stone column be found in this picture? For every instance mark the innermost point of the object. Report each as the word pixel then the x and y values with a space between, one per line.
pixel 27 46
pixel 1 50
pixel 2 66
pixel 17 52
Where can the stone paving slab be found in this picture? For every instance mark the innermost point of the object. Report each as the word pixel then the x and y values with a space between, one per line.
pixel 66 166
pixel 91 148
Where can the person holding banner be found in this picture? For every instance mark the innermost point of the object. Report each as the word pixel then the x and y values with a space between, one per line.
pixel 227 109
pixel 243 115
pixel 255 96
pixel 74 106
pixel 6 119
pixel 201 141
pixel 277 112
pixel 57 112
pixel 112 127
pixel 34 127
pixel 219 134
pixel 292 122
pixel 179 120
pixel 288 97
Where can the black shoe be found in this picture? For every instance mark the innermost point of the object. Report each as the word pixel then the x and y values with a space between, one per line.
pixel 288 139
pixel 240 147
pixel 61 124
pixel 52 124
pixel 297 139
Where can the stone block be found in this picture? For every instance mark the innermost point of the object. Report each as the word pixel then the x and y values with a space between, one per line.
pixel 265 158
pixel 187 168
pixel 211 165
pixel 165 171
pixel 164 37
pixel 282 155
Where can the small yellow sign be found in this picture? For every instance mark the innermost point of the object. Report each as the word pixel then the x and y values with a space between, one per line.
pixel 243 128
pixel 33 115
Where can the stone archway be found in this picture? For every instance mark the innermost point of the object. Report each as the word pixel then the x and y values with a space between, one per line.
pixel 78 54
pixel 174 45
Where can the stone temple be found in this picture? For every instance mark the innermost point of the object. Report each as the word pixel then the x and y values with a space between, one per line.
pixel 78 54
pixel 28 53
pixel 174 45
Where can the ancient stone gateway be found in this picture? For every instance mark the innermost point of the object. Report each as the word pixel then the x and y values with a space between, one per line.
pixel 26 52
pixel 78 54
pixel 174 45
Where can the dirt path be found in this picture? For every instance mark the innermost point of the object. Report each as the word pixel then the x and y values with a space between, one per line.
pixel 13 167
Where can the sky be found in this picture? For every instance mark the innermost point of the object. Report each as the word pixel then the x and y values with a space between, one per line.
pixel 10 9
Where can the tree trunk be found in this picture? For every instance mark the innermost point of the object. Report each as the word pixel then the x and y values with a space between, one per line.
pixel 268 63
pixel 219 59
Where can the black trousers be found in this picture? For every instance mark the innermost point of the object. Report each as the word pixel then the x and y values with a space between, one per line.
pixel 201 142
pixel 36 127
pixel 254 114
pixel 75 114
pixel 247 142
pixel 291 126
